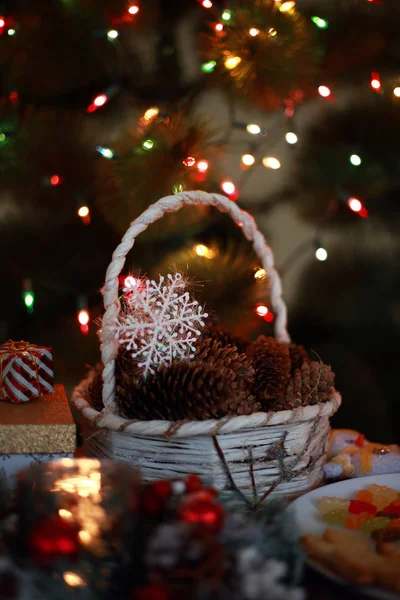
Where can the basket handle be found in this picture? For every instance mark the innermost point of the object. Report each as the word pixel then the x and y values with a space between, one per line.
pixel 109 346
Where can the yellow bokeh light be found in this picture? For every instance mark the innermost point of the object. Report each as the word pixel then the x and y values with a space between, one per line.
pixel 248 160
pixel 204 252
pixel 65 514
pixel 260 274
pixel 272 32
pixel 286 6
pixel 396 92
pixel 254 31
pixel 85 537
pixel 271 162
pixel 253 128
pixel 232 62
pixel 73 579
pixel 83 211
pixel 151 113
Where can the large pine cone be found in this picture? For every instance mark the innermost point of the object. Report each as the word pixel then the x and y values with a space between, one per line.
pixel 216 383
pixel 271 362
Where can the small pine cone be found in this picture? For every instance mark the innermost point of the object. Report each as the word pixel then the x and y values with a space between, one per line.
pixel 191 390
pixel 271 362
pixel 322 381
pixel 95 389
pixel 298 355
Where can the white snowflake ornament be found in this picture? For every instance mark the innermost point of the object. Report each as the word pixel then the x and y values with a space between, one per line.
pixel 160 321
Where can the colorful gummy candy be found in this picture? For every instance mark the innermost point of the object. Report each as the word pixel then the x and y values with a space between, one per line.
pixel 372 510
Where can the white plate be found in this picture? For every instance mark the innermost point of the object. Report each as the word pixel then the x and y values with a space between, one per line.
pixel 309 521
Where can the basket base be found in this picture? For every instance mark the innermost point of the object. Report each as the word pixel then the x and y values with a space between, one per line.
pixel 274 461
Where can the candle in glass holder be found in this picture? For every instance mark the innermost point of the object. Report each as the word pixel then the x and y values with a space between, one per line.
pixel 77 520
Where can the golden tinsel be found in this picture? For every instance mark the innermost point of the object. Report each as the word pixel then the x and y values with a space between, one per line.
pixel 156 157
pixel 219 269
pixel 216 383
pixel 271 362
pixel 276 64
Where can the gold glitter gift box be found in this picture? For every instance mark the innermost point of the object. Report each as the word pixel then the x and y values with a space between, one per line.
pixel 36 431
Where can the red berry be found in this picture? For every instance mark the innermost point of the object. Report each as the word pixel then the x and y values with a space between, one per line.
pixel 162 489
pixel 204 494
pixel 393 508
pixel 357 507
pixel 193 483
pixel 200 509
pixel 151 592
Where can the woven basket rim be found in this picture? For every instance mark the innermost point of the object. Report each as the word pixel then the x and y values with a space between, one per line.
pixel 182 429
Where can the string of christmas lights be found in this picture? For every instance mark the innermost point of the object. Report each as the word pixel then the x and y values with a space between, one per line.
pixel 232 63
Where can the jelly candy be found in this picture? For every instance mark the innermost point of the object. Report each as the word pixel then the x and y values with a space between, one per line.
pixel 393 509
pixel 357 507
pixel 374 524
pixel 336 516
pixel 355 521
pixel 360 440
pixel 382 495
pixel 328 503
pixel 365 496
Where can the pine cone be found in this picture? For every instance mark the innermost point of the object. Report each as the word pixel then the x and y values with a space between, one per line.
pixel 298 355
pixel 95 389
pixel 312 384
pixel 322 380
pixel 271 362
pixel 214 354
pixel 293 395
pixel 191 390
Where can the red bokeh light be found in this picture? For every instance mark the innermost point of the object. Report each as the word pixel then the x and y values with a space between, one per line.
pixel 269 317
pixel 55 180
pixel 376 81
pixel 83 317
pixel 354 204
pixel 262 310
pixel 202 166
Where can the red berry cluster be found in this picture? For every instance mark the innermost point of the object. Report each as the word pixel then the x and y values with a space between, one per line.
pixel 199 505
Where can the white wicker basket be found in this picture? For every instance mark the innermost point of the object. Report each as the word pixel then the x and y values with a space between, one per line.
pixel 258 456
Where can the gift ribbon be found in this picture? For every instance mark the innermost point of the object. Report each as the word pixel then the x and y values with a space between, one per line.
pixel 17 348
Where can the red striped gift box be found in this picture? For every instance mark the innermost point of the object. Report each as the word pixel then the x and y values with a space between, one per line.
pixel 26 371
